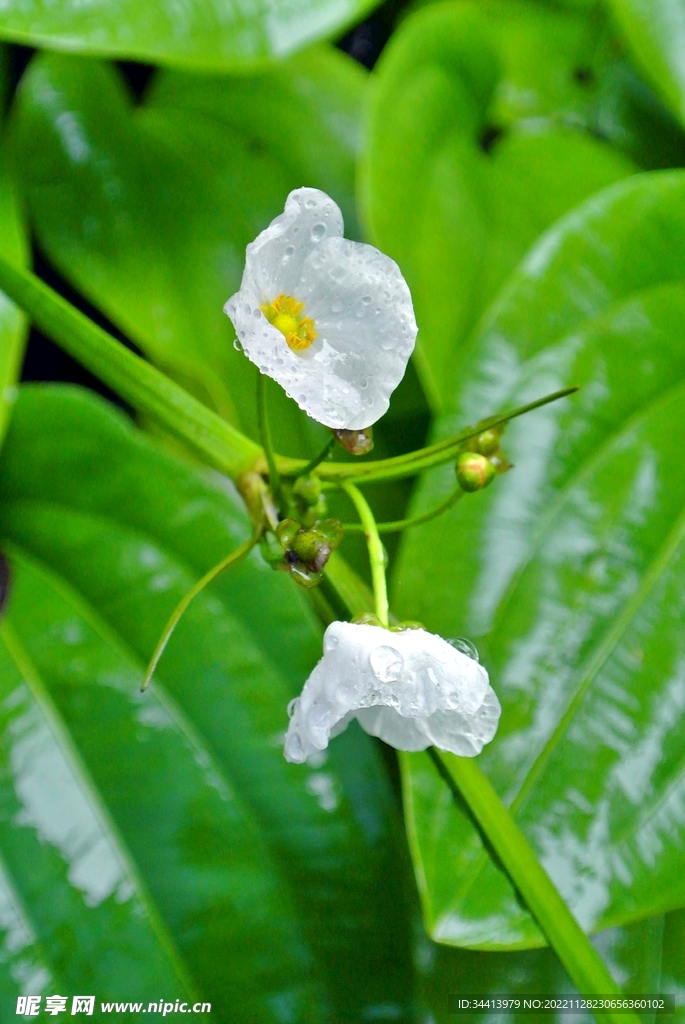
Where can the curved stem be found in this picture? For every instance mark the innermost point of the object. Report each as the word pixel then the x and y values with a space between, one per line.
pixel 317 460
pixel 265 437
pixel 403 524
pixel 434 455
pixel 232 559
pixel 376 553
pixel 151 392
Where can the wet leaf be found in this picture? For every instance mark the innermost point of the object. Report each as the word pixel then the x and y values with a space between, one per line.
pixel 282 886
pixel 479 137
pixel 568 574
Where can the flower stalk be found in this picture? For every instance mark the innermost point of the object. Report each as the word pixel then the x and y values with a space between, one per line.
pixel 265 437
pixel 376 552
pixel 151 392
pixel 225 563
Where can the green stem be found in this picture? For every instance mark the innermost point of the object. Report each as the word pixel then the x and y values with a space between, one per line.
pixel 425 458
pixel 232 559
pixel 583 963
pixel 216 441
pixel 403 524
pixel 136 380
pixel 317 460
pixel 464 776
pixel 265 438
pixel 376 552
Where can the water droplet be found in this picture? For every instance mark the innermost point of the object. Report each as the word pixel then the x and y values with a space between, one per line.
pixel 237 346
pixel 247 308
pixel 330 643
pixel 256 313
pixel 318 231
pixel 289 251
pixel 292 705
pixel 336 307
pixel 460 643
pixel 310 204
pixel 364 384
pixel 366 299
pixel 386 664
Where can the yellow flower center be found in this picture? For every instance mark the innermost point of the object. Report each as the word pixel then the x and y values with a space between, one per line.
pixel 284 314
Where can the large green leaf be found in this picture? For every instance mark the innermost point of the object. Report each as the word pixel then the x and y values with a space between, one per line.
pixel 569 573
pixel 634 954
pixel 282 886
pixel 14 247
pixel 148 209
pixel 655 32
pixel 206 35
pixel 75 913
pixel 476 144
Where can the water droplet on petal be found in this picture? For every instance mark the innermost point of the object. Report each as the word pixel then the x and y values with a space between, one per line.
pixel 330 643
pixel 256 313
pixel 386 664
pixel 289 251
pixel 460 643
pixel 292 705
pixel 318 231
pixel 366 299
pixel 237 346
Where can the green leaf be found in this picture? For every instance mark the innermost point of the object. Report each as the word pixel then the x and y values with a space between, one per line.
pixel 75 912
pixel 13 247
pixel 204 35
pixel 568 573
pixel 121 538
pixel 655 33
pixel 476 144
pixel 147 209
pixel 634 954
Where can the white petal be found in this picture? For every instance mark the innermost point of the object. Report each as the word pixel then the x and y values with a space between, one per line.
pixel 358 299
pixel 411 688
pixel 275 259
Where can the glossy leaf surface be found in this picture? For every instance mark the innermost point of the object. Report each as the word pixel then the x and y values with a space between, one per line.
pixel 655 32
pixel 279 884
pixel 634 954
pixel 205 35
pixel 568 574
pixel 74 911
pixel 476 144
pixel 148 209
pixel 13 246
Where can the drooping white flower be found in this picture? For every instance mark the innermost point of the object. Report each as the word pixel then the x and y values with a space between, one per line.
pixel 410 688
pixel 330 319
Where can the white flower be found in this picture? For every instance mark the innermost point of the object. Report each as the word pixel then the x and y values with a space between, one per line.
pixel 410 688
pixel 331 320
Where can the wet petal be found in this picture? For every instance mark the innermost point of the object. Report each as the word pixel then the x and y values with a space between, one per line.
pixel 357 298
pixel 412 689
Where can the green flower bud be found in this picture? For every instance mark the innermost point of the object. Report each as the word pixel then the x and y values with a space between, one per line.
pixel 286 531
pixel 487 443
pixel 306 545
pixel 474 472
pixel 356 442
pixel 308 488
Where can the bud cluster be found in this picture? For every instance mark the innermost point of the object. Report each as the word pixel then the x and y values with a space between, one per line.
pixel 304 550
pixel 481 459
